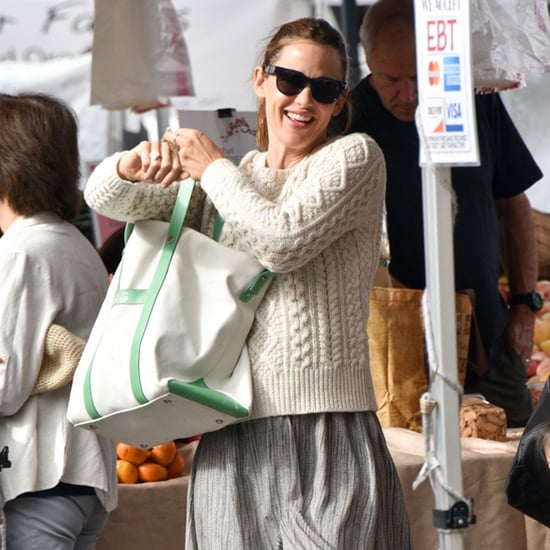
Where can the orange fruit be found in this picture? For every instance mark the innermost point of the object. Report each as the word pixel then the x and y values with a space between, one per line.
pixel 126 471
pixel 135 455
pixel 151 471
pixel 175 468
pixel 164 453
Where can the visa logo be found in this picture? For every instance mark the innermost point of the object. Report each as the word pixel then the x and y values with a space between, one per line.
pixel 454 111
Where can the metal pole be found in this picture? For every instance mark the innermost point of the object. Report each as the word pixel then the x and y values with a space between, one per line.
pixel 439 258
pixel 350 30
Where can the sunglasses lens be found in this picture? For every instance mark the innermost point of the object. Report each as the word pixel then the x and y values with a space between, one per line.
pixel 325 91
pixel 290 82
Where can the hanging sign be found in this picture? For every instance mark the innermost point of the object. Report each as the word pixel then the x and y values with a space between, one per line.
pixel 446 106
pixel 234 132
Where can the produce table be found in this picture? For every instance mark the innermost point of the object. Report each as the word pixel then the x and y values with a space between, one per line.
pixel 151 516
pixel 485 467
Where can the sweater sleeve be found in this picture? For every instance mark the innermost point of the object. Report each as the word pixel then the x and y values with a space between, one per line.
pixel 127 201
pixel 122 200
pixel 336 189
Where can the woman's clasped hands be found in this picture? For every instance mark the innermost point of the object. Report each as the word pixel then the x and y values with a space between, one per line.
pixel 180 154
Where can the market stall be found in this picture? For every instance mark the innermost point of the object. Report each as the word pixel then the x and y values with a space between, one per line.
pixel 152 515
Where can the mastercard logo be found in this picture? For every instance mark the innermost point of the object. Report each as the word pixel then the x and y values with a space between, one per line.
pixel 433 73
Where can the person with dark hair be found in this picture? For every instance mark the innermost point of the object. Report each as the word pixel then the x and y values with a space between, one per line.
pixel 527 486
pixel 494 223
pixel 311 468
pixel 62 482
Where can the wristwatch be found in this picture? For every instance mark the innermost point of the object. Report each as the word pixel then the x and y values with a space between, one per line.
pixel 532 299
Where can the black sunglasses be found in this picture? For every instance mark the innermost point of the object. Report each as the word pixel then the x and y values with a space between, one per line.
pixel 289 82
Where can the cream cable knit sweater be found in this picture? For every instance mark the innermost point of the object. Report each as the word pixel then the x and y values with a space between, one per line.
pixel 318 226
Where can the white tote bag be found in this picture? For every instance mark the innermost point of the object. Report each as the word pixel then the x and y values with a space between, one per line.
pixel 166 357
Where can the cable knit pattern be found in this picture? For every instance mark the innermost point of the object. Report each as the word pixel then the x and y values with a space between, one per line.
pixel 318 226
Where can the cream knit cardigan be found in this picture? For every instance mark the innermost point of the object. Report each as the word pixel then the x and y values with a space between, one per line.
pixel 318 226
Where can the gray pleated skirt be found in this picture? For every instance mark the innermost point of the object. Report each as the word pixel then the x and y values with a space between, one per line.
pixel 305 482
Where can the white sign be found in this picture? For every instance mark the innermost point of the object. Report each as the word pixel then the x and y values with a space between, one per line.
pixel 234 132
pixel 446 118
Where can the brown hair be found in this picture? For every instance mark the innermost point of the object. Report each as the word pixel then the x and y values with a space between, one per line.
pixel 39 159
pixel 307 28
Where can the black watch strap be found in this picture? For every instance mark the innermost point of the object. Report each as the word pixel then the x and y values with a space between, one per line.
pixel 532 299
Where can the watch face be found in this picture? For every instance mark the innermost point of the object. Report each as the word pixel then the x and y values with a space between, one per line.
pixel 537 301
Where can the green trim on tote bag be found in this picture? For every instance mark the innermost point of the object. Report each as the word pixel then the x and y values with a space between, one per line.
pixel 88 398
pixel 174 231
pixel 145 297
pixel 256 285
pixel 199 392
pixel 196 391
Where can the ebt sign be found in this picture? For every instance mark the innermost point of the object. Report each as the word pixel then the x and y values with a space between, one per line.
pixel 445 88
pixel 39 30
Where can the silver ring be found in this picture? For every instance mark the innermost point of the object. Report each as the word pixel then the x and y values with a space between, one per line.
pixel 154 155
pixel 172 144
pixel 527 359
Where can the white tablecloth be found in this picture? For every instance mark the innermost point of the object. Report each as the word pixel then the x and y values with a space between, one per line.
pixel 485 467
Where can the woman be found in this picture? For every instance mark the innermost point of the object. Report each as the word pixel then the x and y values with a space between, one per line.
pixel 61 483
pixel 311 469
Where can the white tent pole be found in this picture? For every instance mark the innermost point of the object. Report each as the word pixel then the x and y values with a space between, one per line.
pixel 438 236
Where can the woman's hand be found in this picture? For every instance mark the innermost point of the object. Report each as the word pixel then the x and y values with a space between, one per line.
pixel 182 153
pixel 195 150
pixel 152 162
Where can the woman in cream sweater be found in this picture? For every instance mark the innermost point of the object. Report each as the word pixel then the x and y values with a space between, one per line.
pixel 311 468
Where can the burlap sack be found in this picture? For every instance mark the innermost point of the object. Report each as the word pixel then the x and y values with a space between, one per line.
pixel 398 356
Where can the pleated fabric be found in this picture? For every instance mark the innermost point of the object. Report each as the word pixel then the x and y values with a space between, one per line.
pixel 302 482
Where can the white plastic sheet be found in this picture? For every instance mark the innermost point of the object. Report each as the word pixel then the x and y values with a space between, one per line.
pixel 509 38
pixel 140 58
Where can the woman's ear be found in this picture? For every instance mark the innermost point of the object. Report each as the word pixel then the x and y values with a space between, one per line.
pixel 340 102
pixel 258 77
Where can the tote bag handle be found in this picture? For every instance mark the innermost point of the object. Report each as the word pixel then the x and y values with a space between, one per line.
pixel 255 286
pixel 174 231
pixel 148 297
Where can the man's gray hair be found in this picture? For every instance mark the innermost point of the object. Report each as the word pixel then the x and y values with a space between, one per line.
pixel 379 15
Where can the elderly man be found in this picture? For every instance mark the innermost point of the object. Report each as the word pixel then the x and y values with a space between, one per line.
pixel 494 226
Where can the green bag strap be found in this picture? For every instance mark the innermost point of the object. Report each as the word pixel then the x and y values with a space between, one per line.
pixel 218 226
pixel 255 286
pixel 146 297
pixel 136 295
pixel 174 231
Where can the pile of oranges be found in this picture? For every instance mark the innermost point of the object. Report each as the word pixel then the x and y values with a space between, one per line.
pixel 159 463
